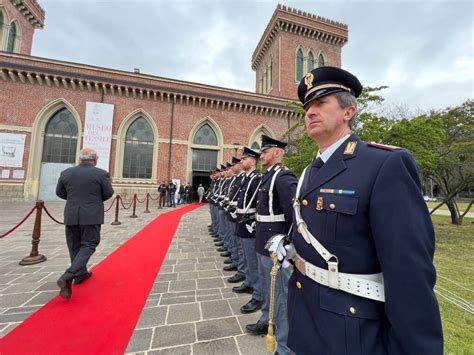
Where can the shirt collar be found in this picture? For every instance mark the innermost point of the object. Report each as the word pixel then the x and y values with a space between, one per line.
pixel 331 149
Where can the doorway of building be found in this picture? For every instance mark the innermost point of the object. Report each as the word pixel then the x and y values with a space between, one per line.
pixel 200 177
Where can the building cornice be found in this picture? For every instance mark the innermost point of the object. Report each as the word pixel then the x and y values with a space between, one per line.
pixel 139 86
pixel 31 10
pixel 287 19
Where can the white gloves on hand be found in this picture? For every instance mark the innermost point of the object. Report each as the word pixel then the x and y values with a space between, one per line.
pixel 285 253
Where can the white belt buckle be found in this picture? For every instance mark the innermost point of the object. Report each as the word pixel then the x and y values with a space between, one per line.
pixel 333 273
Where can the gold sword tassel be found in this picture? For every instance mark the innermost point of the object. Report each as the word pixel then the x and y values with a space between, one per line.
pixel 270 339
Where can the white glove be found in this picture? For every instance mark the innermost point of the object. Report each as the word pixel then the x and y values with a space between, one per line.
pixel 285 253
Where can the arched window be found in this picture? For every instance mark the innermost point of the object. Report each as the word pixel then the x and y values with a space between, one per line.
pixel 310 62
pixel 299 65
pixel 60 139
pixel 138 153
pixel 269 77
pixel 261 83
pixel 321 60
pixel 205 135
pixel 2 24
pixel 255 146
pixel 12 37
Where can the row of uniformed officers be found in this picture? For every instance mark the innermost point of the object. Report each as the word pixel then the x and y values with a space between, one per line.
pixel 354 226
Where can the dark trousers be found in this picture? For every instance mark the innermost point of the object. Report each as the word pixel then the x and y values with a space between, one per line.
pixel 81 242
pixel 162 200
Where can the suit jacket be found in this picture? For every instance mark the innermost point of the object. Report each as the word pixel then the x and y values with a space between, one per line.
pixel 85 188
pixel 283 194
pixel 245 227
pixel 379 223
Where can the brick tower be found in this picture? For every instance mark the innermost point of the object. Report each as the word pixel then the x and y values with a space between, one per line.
pixel 294 43
pixel 18 21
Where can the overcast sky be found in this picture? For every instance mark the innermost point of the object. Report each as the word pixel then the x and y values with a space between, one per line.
pixel 422 50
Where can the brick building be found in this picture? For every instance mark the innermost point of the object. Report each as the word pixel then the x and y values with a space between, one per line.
pixel 162 128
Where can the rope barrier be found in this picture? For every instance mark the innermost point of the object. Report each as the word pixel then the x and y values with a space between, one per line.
pixel 123 206
pixel 111 204
pixel 19 224
pixel 154 199
pixel 50 216
pixel 138 200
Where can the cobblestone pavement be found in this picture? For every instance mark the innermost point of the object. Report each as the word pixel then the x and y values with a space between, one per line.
pixel 191 309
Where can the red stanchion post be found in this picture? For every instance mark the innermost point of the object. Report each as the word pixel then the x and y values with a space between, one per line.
pixel 35 257
pixel 134 206
pixel 147 200
pixel 116 222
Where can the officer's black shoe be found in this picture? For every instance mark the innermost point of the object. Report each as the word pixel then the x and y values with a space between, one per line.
pixel 80 279
pixel 227 261
pixel 244 288
pixel 236 278
pixel 216 240
pixel 258 328
pixel 65 290
pixel 230 267
pixel 225 254
pixel 251 306
pixel 213 235
pixel 221 249
pixel 219 244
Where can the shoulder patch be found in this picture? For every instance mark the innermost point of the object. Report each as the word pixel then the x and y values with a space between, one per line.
pixel 383 146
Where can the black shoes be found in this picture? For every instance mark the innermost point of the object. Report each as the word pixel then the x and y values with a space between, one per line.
pixel 221 249
pixel 80 279
pixel 225 254
pixel 236 278
pixel 65 288
pixel 230 267
pixel 251 306
pixel 257 328
pixel 227 261
pixel 219 244
pixel 243 289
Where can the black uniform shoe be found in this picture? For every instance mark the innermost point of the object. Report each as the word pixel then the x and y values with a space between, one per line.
pixel 65 288
pixel 244 288
pixel 251 306
pixel 213 235
pixel 230 267
pixel 227 261
pixel 216 240
pixel 236 278
pixel 80 279
pixel 221 249
pixel 258 328
pixel 219 244
pixel 225 254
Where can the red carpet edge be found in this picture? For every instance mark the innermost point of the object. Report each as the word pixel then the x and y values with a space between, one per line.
pixel 103 312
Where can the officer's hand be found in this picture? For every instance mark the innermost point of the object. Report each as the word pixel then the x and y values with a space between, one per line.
pixel 285 253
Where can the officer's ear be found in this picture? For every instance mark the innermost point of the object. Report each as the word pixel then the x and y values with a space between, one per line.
pixel 349 113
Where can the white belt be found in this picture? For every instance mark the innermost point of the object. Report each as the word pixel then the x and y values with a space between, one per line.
pixel 271 218
pixel 367 286
pixel 246 211
pixel 233 203
pixel 226 199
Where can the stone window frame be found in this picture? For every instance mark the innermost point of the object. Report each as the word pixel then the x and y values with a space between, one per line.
pixel 31 188
pixel 299 49
pixel 16 40
pixel 310 52
pixel 321 54
pixel 256 136
pixel 219 147
pixel 4 29
pixel 120 147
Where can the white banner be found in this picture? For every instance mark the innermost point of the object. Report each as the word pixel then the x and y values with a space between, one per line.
pixel 12 147
pixel 98 131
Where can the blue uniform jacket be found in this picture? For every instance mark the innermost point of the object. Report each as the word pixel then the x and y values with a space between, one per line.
pixel 383 226
pixel 245 225
pixel 233 195
pixel 283 193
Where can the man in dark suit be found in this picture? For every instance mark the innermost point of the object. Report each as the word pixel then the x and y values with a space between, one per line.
pixel 85 188
pixel 363 238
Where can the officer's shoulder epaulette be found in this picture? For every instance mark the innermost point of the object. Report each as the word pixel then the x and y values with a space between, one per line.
pixel 383 146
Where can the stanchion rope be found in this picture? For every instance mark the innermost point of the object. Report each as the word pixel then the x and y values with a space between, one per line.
pixel 19 224
pixel 50 216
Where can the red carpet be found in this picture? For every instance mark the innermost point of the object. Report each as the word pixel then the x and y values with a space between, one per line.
pixel 102 313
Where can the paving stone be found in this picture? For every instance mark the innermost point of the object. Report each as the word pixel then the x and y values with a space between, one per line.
pixel 184 267
pixel 8 328
pixel 152 317
pixel 140 340
pixel 160 287
pixel 183 313
pixel 15 299
pixel 251 344
pixel 217 328
pixel 14 317
pixel 210 283
pixel 209 273
pixel 206 266
pixel 22 309
pixel 220 346
pixel 179 350
pixel 5 279
pixel 42 298
pixel 48 286
pixel 215 309
pixel 171 335
pixel 187 275
pixel 19 288
pixel 167 277
pixel 184 285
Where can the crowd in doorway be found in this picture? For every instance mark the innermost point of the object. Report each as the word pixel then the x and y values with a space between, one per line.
pixel 170 195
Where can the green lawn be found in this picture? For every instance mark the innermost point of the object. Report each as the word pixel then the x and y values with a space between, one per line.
pixel 461 205
pixel 454 260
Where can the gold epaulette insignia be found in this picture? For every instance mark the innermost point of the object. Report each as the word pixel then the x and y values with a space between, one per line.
pixel 383 146
pixel 350 147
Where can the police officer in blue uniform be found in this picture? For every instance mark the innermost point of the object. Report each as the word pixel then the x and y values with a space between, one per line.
pixel 245 230
pixel 362 239
pixel 274 216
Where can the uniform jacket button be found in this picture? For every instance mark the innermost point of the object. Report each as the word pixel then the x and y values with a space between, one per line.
pixel 353 310
pixel 298 284
pixel 332 206
pixel 305 203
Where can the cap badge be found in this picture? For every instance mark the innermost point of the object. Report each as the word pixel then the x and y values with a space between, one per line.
pixel 350 148
pixel 319 204
pixel 308 80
